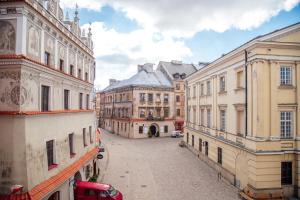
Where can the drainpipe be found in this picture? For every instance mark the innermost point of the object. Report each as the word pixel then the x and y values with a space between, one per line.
pixel 246 93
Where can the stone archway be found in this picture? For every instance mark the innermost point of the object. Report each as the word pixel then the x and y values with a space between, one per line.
pixel 154 130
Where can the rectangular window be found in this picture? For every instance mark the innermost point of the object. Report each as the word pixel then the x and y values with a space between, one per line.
pixel 61 65
pixel 90 134
pixel 202 117
pixel 222 84
pixel 202 89
pixel 240 122
pixel 177 86
pixel 220 155
pixel 286 173
pixel 142 97
pixel 45 98
pixel 208 87
pixel 193 142
pixel 158 97
pixel 166 112
pixel 239 79
pixel 206 148
pixel 140 129
pixel 178 112
pixel 166 129
pixel 80 100
pixel 285 75
pixel 286 124
pixel 177 98
pixel 150 98
pixel 79 73
pixel 208 118
pixel 194 92
pixel 86 76
pixel 71 144
pixel 50 152
pixel 222 120
pixel 166 98
pixel 84 137
pixel 189 92
pixel 47 58
pixel 71 70
pixel 87 102
pixel 142 113
pixel 66 99
pixel 200 145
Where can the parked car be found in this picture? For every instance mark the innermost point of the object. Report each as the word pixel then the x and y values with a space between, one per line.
pixel 176 134
pixel 95 191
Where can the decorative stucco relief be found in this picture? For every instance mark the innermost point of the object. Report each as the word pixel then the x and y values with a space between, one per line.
pixel 72 60
pixel 50 47
pixel 34 41
pixel 7 38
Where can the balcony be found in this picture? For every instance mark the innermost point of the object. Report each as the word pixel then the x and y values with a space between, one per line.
pixel 152 118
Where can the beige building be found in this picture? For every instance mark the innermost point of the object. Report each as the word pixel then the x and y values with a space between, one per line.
pixel 243 114
pixel 47 122
pixel 141 106
pixel 176 72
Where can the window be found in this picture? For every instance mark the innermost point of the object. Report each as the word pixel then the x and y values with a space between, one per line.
pixel 66 99
pixel 150 98
pixel 166 129
pixel 50 153
pixel 71 144
pixel 208 113
pixel 193 137
pixel 240 122
pixel 177 86
pixel 222 84
pixel 166 112
pixel 177 98
pixel 220 155
pixel 79 73
pixel 208 88
pixel 202 117
pixel 194 92
pixel 87 102
pixel 239 79
pixel 80 100
pixel 178 112
pixel 285 75
pixel 202 89
pixel 166 98
pixel 71 70
pixel 140 129
pixel 86 75
pixel 61 65
pixel 189 92
pixel 158 97
pixel 285 124
pixel 222 120
pixel 200 145
pixel 90 134
pixel 142 97
pixel 206 148
pixel 286 173
pixel 47 58
pixel 142 113
pixel 84 137
pixel 45 98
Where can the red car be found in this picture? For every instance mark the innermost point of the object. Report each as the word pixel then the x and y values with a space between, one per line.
pixel 95 191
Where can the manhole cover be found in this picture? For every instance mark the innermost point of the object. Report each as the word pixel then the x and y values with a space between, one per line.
pixel 143 186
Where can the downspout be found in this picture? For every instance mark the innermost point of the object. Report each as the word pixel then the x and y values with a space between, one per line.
pixel 246 93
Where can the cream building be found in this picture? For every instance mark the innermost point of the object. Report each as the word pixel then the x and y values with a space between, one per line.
pixel 47 70
pixel 140 106
pixel 243 114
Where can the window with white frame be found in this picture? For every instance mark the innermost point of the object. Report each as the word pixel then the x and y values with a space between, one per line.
pixel 222 84
pixel 208 118
pixel 286 124
pixel 285 75
pixel 208 88
pixel 202 89
pixel 222 120
pixel 202 117
pixel 194 91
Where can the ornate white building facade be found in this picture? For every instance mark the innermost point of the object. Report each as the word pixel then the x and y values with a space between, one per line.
pixel 48 129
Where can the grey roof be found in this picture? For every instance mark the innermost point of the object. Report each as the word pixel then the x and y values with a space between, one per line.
pixel 173 68
pixel 144 79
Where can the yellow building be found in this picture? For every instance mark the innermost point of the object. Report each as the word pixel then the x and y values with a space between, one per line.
pixel 242 114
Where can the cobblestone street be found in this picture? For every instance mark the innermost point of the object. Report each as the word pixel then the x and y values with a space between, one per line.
pixel 158 169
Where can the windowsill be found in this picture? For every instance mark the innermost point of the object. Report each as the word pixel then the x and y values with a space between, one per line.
pixel 52 166
pixel 223 92
pixel 286 87
pixel 72 155
pixel 239 89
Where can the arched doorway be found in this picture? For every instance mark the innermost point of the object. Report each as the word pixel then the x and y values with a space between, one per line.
pixel 77 176
pixel 154 130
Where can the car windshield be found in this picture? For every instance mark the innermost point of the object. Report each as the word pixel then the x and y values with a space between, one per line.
pixel 112 191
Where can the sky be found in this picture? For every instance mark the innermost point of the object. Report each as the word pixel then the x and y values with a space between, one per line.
pixel 127 33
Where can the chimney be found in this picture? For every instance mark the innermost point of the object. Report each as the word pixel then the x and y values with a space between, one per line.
pixel 148 67
pixel 112 81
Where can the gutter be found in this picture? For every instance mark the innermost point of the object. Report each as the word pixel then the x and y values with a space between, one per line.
pixel 246 93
